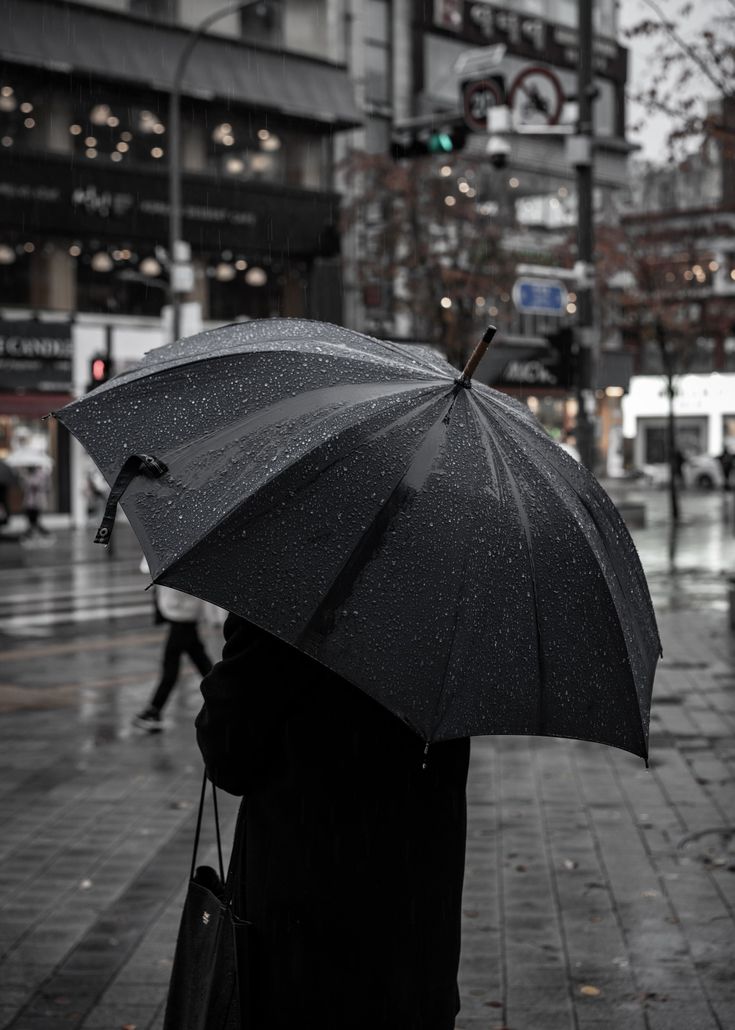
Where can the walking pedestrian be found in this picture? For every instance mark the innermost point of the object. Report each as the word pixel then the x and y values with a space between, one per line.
pixel 355 842
pixel 35 483
pixel 182 612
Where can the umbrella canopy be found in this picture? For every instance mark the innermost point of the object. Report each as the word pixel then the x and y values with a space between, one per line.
pixel 426 541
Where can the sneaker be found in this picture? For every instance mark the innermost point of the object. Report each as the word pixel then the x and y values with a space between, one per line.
pixel 149 720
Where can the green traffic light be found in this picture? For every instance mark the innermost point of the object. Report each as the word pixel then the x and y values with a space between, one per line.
pixel 440 142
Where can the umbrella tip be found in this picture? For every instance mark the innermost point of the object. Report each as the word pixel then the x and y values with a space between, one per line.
pixel 477 355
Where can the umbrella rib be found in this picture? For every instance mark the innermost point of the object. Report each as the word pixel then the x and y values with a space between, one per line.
pixel 484 430
pixel 401 496
pixel 636 627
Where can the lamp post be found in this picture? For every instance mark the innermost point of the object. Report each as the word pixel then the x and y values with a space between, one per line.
pixel 583 149
pixel 180 277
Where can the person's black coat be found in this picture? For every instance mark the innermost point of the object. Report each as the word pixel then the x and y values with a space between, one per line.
pixel 355 854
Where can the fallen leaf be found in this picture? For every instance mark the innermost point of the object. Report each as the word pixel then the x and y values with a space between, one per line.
pixel 589 991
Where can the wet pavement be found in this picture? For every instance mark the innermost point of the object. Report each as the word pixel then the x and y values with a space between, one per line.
pixel 598 894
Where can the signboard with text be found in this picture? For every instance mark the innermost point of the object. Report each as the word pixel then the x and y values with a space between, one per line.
pixel 35 356
pixel 526 35
pixel 539 297
pixel 57 197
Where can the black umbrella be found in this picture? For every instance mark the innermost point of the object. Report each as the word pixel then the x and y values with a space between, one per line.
pixel 417 533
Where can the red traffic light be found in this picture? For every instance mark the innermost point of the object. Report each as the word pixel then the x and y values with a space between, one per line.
pixel 99 370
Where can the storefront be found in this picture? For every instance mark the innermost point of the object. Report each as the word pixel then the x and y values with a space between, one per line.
pixel 36 377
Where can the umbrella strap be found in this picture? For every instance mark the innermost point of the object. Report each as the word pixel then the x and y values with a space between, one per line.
pixel 133 465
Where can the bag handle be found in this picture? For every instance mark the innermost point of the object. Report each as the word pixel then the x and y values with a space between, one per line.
pixel 238 844
pixel 197 832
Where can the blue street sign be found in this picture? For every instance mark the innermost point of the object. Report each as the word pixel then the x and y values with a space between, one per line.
pixel 540 296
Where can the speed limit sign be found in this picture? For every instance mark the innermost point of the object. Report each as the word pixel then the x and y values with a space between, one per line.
pixel 478 96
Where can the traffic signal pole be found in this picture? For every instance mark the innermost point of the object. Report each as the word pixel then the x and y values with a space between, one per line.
pixel 583 156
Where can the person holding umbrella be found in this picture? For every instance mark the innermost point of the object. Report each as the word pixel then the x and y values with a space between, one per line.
pixel 408 560
pixel 355 844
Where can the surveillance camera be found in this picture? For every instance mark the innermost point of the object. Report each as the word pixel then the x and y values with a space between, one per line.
pixel 497 150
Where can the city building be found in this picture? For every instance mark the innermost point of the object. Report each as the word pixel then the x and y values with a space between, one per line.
pixel 84 194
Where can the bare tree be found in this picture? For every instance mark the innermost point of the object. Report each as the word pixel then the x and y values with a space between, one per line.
pixel 687 67
pixel 429 239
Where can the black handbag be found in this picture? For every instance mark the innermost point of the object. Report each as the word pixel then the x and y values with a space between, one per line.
pixel 210 979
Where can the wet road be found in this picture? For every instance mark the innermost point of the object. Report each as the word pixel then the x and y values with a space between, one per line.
pixel 598 894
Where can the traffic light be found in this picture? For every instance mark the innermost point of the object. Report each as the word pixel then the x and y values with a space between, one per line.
pixel 99 370
pixel 443 138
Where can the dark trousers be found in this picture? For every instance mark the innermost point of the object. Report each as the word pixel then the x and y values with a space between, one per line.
pixel 183 638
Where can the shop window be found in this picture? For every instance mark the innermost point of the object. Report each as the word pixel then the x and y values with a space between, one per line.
pixel 105 287
pixel 155 10
pixel 263 23
pixel 257 148
pixel 15 275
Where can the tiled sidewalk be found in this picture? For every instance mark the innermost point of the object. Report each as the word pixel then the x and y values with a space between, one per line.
pixel 598 894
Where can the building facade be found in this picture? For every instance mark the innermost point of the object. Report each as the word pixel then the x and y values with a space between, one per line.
pixel 84 195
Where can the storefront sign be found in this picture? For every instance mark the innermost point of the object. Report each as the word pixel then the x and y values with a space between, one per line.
pixel 525 35
pixel 59 197
pixel 35 356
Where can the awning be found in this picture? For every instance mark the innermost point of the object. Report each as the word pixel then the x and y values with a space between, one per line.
pixel 71 37
pixel 32 405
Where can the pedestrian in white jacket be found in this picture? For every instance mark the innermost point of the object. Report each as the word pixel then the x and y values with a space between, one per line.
pixel 182 612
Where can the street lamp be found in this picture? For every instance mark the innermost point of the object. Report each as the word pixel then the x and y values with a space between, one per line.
pixel 180 279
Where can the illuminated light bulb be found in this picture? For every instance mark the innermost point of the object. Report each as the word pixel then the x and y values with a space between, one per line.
pixel 7 254
pixel 7 141
pixel 256 276
pixel 123 147
pixel 151 267
pixel 91 153
pixel 113 121
pixel 7 104
pixel 234 165
pixel 450 201
pixel 75 130
pixel 7 91
pixel 713 266
pixel 126 136
pixel 513 183
pixel 263 134
pixel 156 152
pixel 115 156
pixel 101 261
pixel 571 308
pixel 446 302
pixel 480 302
pixel 75 250
pixel 445 170
pixel 463 187
pixel 492 310
pixel 228 140
pixel 159 128
pixel 272 143
pixel 99 114
pixel 261 162
pixel 90 141
pixel 241 265
pixel 224 272
pixel 26 108
pixel 29 247
pixel 29 123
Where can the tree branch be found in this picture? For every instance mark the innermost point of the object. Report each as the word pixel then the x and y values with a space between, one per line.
pixel 688 50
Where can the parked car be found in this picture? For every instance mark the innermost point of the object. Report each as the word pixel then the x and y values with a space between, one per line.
pixel 699 472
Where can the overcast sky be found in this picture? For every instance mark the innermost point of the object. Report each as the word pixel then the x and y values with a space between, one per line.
pixel 653 139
